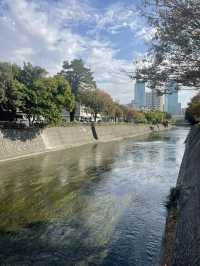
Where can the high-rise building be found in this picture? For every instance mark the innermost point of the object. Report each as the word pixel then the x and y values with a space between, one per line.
pixel 148 100
pixel 153 101
pixel 162 104
pixel 139 99
pixel 172 105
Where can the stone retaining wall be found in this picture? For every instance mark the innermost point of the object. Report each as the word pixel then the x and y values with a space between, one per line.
pixel 187 239
pixel 19 143
pixel 182 242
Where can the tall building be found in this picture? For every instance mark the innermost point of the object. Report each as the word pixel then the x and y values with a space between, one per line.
pixel 154 101
pixel 148 100
pixel 172 105
pixel 139 99
pixel 162 103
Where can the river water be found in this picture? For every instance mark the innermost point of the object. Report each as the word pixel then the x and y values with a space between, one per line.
pixel 99 204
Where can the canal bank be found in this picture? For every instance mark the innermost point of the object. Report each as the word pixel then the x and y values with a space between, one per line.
pixel 17 143
pixel 182 233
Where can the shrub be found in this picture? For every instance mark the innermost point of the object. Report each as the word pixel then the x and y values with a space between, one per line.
pixel 172 198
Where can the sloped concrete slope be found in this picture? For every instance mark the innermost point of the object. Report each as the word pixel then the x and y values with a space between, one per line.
pixel 15 143
pixel 20 143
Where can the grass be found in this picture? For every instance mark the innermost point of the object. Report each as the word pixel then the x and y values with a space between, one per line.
pixel 172 199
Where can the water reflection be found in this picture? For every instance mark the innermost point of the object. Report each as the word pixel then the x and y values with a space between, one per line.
pixel 95 205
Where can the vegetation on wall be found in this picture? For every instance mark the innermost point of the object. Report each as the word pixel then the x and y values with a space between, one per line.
pixel 192 114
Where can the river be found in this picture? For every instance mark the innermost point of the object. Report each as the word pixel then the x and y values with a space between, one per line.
pixel 99 204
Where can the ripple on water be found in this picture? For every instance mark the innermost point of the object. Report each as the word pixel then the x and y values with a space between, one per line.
pixel 95 205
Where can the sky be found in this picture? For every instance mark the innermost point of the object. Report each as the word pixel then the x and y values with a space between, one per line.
pixel 109 35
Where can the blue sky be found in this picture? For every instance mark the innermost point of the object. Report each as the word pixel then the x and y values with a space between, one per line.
pixel 107 34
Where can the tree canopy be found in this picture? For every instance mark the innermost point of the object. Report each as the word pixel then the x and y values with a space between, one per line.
pixel 10 87
pixel 30 91
pixel 78 76
pixel 175 53
pixel 47 98
pixel 192 113
pixel 93 100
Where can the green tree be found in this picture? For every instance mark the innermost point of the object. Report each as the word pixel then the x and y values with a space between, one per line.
pixel 79 78
pixel 46 99
pixel 93 100
pixel 156 116
pixel 29 74
pixel 139 117
pixel 28 90
pixel 63 93
pixel 175 53
pixel 193 111
pixel 10 88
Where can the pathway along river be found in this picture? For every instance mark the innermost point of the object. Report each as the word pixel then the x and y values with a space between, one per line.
pixel 99 204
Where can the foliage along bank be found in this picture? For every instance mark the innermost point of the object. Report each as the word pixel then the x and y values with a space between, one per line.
pixel 42 98
pixel 192 114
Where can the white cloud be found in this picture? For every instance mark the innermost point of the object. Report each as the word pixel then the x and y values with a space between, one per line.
pixel 146 33
pixel 42 33
pixel 116 18
pixel 109 73
pixel 186 96
pixel 25 27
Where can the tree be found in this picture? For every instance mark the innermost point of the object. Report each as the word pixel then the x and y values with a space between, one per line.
pixel 10 89
pixel 117 111
pixel 175 53
pixel 63 93
pixel 139 117
pixel 79 78
pixel 108 104
pixel 30 91
pixel 93 100
pixel 46 99
pixel 156 116
pixel 131 115
pixel 193 111
pixel 29 74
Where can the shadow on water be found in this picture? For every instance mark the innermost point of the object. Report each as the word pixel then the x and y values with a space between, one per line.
pixel 32 246
pixel 45 206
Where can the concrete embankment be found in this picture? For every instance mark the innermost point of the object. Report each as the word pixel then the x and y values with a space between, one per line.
pixel 17 143
pixel 182 236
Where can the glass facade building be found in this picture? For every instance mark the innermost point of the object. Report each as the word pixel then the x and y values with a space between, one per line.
pixel 139 99
pixel 172 105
